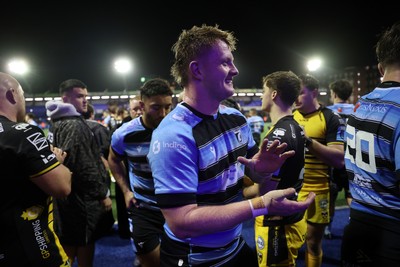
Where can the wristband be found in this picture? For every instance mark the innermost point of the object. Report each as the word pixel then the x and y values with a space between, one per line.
pixel 258 207
pixel 108 193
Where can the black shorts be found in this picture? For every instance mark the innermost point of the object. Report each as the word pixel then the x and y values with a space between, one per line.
pixel 147 227
pixel 339 177
pixel 174 253
pixel 367 241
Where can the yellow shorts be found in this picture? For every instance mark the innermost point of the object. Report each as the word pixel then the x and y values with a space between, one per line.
pixel 279 245
pixel 318 211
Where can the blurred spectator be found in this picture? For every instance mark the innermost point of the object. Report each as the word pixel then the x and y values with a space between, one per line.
pixel 31 118
pixel 77 217
pixel 256 123
pixel 341 91
pixel 113 122
pixel 135 110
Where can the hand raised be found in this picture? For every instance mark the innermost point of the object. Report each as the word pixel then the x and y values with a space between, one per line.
pixel 269 159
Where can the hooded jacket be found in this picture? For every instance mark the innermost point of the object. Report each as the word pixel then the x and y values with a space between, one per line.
pixel 77 216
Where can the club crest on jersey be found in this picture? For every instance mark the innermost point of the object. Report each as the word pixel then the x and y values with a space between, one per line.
pixel 238 135
pixel 32 213
pixel 260 242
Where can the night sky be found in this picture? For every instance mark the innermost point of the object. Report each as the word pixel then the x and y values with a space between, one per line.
pixel 71 41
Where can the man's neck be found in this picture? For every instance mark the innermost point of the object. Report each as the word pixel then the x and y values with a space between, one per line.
pixel 9 116
pixel 277 113
pixel 391 75
pixel 203 104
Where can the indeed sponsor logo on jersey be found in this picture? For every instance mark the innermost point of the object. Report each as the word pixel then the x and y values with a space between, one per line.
pixel 157 145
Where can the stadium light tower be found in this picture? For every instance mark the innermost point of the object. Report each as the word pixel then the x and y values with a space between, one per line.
pixel 123 66
pixel 314 64
pixel 18 66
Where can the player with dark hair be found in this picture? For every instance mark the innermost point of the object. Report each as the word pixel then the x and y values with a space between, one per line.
pixel 130 145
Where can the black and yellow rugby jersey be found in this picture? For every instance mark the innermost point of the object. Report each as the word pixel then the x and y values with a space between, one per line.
pixel 327 128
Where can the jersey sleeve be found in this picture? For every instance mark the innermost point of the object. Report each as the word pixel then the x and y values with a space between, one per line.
pixel 335 127
pixel 35 151
pixel 117 144
pixel 173 158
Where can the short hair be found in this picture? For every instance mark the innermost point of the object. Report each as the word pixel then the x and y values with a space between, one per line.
pixel 68 85
pixel 342 88
pixel 30 115
pixel 388 47
pixel 253 112
pixel 286 83
pixel 113 106
pixel 309 81
pixel 191 43
pixel 154 87
pixel 89 112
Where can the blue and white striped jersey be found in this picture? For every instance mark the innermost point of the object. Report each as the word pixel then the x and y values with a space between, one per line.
pixel 373 152
pixel 132 140
pixel 194 160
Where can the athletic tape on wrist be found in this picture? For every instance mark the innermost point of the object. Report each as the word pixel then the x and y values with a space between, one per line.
pixel 258 208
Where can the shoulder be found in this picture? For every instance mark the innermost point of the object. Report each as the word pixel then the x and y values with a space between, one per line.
pixel 25 129
pixel 71 125
pixel 223 110
pixel 22 134
pixel 130 126
pixel 288 124
pixel 180 121
pixel 95 123
pixel 288 121
pixel 181 116
pixel 229 110
pixel 329 113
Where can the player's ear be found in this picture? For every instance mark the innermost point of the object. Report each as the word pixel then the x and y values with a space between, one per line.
pixel 194 67
pixel 274 94
pixel 10 96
